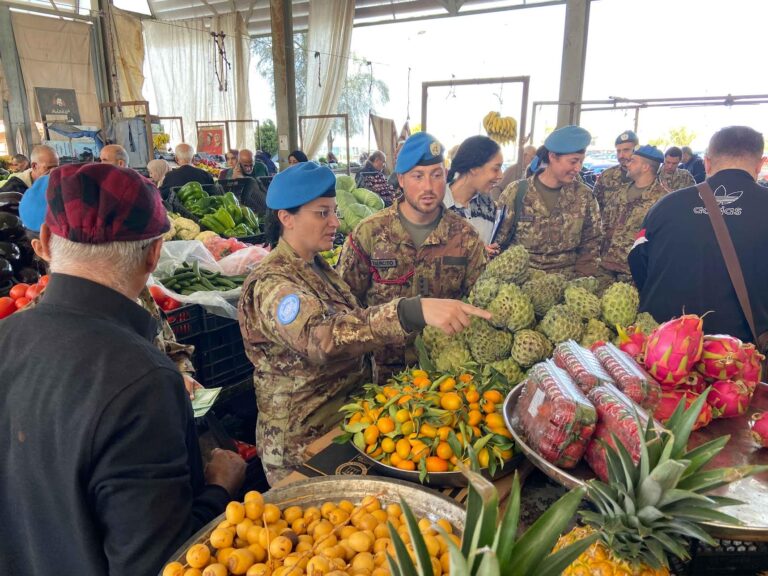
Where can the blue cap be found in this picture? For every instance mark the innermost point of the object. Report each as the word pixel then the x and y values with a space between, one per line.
pixel 299 184
pixel 568 140
pixel 650 152
pixel 627 136
pixel 421 149
pixel 34 204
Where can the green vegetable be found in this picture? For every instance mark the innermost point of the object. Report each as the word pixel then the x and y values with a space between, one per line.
pixel 224 218
pixel 191 191
pixel 368 198
pixel 186 229
pixel 213 224
pixel 345 182
pixel 250 218
pixel 352 215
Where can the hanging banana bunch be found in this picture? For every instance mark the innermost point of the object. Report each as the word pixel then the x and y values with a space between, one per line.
pixel 502 129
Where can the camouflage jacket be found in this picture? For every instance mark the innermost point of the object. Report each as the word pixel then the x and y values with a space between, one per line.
pixel 384 264
pixel 622 220
pixel 566 240
pixel 608 182
pixel 676 180
pixel 165 340
pixel 307 338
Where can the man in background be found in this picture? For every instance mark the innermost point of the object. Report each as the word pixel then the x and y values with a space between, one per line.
pixel 612 179
pixel 185 172
pixel 694 164
pixel 247 167
pixel 115 155
pixel 672 177
pixel 43 160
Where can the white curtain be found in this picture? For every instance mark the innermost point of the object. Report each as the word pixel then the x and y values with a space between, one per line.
pixel 330 36
pixel 181 59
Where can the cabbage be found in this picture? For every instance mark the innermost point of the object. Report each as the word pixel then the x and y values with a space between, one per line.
pixel 345 182
pixel 368 198
pixel 344 198
pixel 353 214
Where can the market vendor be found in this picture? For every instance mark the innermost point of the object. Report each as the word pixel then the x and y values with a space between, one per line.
pixel 103 473
pixel 304 329
pixel 415 247
pixel 32 209
pixel 559 220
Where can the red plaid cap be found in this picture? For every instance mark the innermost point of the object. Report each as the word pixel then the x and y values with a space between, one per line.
pixel 100 203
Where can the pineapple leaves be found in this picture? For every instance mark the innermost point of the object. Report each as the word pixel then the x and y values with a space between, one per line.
pixel 482 512
pixel 418 543
pixel 556 563
pixel 661 479
pixel 425 363
pixel 403 566
pixel 682 422
pixel 702 454
pixel 533 546
pixel 507 534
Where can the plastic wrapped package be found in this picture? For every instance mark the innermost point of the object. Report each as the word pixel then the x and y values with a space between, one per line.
pixel 581 365
pixel 555 417
pixel 629 376
pixel 617 416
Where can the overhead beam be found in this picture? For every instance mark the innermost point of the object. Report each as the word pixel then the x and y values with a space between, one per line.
pixel 574 60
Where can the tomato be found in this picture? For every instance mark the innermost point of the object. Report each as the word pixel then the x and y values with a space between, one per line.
pixel 21 302
pixel 44 280
pixel 18 291
pixel 7 306
pixel 158 295
pixel 170 304
pixel 34 291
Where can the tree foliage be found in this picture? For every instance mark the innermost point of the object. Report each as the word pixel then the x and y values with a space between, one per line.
pixel 681 136
pixel 262 49
pixel 268 136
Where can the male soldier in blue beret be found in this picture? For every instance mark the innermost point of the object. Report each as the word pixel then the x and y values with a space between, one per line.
pixel 625 209
pixel 611 179
pixel 414 247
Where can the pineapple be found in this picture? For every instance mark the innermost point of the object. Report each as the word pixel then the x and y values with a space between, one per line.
pixel 647 510
pixel 490 549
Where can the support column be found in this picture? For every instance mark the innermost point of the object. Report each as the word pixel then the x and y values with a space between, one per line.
pixel 281 14
pixel 18 108
pixel 574 59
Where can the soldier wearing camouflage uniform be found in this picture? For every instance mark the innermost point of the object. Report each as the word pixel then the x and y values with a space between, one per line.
pixel 383 260
pixel 304 329
pixel 672 177
pixel 625 211
pixel 612 179
pixel 559 223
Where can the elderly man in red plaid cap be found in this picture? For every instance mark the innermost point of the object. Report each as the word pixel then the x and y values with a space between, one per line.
pixel 103 474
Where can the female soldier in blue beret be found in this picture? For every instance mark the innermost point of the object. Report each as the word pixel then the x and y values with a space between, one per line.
pixel 559 220
pixel 305 332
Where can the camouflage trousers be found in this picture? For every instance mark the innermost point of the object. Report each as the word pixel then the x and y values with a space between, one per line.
pixel 607 277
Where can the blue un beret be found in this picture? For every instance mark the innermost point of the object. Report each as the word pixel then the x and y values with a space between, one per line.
pixel 651 153
pixel 299 184
pixel 421 149
pixel 34 204
pixel 627 136
pixel 568 140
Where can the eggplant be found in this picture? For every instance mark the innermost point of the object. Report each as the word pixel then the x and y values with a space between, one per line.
pixel 11 227
pixel 9 202
pixel 5 288
pixel 6 271
pixel 27 275
pixel 26 250
pixel 10 252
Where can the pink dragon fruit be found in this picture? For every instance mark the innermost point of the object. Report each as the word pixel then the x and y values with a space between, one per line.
pixel 632 340
pixel 693 382
pixel 751 370
pixel 722 357
pixel 729 398
pixel 674 348
pixel 671 398
pixel 758 425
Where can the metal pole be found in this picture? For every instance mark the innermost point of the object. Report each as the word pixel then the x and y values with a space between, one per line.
pixel 281 13
pixel 18 106
pixel 574 58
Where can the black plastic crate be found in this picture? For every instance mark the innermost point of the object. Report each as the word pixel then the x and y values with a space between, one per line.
pixel 187 322
pixel 220 358
pixel 729 558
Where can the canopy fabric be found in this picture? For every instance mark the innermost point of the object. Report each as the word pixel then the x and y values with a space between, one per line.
pixel 129 54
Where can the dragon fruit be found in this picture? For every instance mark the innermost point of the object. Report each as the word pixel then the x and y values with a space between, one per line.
pixel 674 348
pixel 751 370
pixel 758 425
pixel 722 357
pixel 729 398
pixel 693 382
pixel 632 340
pixel 671 398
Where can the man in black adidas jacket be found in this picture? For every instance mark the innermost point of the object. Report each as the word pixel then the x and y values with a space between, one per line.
pixel 676 261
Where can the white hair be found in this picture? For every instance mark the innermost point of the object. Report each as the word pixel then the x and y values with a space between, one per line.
pixel 42 150
pixel 157 169
pixel 118 261
pixel 184 152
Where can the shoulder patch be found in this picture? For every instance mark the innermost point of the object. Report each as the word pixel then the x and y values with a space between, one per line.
pixel 288 309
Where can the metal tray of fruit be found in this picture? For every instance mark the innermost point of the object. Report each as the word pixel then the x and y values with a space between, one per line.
pixel 741 450
pixel 425 503
pixel 440 479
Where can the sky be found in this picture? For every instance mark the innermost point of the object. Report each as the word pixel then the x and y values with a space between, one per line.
pixel 636 49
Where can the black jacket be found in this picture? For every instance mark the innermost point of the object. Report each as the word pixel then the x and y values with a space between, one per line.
pixel 696 167
pixel 181 175
pixel 676 261
pixel 101 469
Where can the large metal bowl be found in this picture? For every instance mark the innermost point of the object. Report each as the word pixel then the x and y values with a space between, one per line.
pixel 740 450
pixel 313 492
pixel 439 479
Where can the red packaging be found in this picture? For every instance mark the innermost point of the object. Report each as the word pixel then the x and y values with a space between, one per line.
pixel 554 415
pixel 581 365
pixel 615 416
pixel 629 377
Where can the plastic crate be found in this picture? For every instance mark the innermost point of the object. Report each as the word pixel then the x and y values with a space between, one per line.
pixel 186 322
pixel 729 558
pixel 219 357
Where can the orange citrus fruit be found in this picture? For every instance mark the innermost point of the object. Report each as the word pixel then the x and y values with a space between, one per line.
pixel 472 396
pixel 427 430
pixel 447 385
pixel 494 420
pixel 436 464
pixel 450 401
pixel 371 434
pixel 386 425
pixel 443 432
pixel 406 465
pixel 444 450
pixel 474 417
pixel 489 407
pixel 403 448
pixel 465 378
